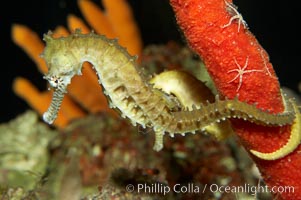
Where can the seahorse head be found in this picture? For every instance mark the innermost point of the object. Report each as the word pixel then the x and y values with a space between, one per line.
pixel 60 59
pixel 62 65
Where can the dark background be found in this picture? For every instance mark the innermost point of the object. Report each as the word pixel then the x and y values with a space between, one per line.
pixel 274 23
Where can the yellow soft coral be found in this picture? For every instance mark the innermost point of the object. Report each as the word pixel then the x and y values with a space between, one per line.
pixel 84 90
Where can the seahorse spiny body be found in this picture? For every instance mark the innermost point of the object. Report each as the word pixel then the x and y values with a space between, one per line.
pixel 130 93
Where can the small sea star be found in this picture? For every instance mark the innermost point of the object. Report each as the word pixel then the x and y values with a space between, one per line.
pixel 241 71
pixel 232 9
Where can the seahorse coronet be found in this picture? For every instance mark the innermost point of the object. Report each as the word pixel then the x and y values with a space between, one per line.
pixel 133 96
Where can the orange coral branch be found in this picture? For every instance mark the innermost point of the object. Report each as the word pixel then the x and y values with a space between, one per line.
pixel 96 18
pixel 120 15
pixel 30 42
pixel 60 31
pixel 76 23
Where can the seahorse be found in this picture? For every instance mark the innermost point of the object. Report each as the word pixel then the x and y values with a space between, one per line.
pixel 131 94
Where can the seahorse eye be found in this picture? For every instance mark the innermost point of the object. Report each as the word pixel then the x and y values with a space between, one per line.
pixel 54 81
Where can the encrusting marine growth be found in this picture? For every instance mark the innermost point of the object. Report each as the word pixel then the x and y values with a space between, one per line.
pixel 130 93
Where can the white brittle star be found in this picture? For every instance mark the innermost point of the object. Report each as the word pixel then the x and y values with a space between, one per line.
pixel 241 71
pixel 232 9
